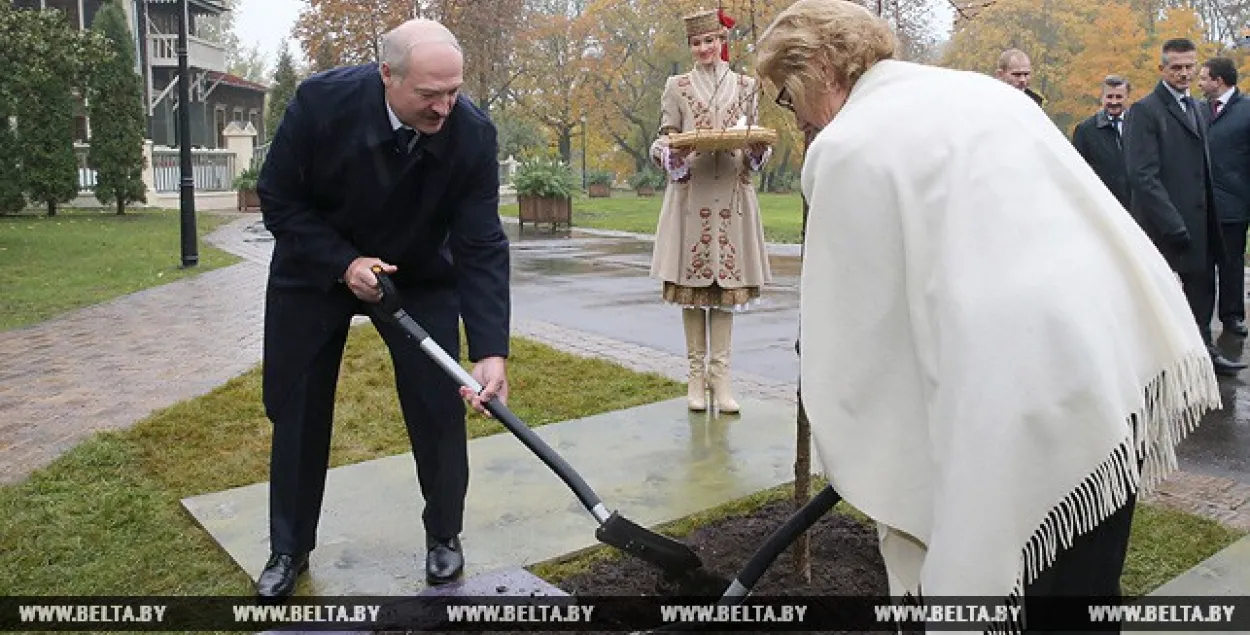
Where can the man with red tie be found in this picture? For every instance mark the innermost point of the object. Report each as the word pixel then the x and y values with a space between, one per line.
pixel 1228 117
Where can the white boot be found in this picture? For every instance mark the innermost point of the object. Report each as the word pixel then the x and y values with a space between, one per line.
pixel 720 327
pixel 695 321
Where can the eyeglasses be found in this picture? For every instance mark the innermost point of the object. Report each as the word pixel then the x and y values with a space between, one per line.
pixel 783 100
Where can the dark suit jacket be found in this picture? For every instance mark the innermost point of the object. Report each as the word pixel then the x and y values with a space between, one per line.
pixel 1170 179
pixel 1230 158
pixel 1097 140
pixel 335 186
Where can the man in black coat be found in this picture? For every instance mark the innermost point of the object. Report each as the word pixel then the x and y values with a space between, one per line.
pixel 380 164
pixel 1170 181
pixel 1228 117
pixel 1099 138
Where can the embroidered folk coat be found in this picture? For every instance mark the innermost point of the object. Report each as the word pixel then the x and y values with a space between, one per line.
pixel 709 247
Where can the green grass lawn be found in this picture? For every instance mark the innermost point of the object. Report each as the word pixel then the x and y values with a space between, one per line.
pixel 105 518
pixel 782 214
pixel 81 257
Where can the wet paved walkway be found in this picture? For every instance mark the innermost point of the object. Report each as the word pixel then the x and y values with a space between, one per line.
pixel 107 366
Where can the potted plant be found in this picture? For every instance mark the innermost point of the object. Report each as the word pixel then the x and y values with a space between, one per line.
pixel 544 190
pixel 599 183
pixel 245 185
pixel 647 182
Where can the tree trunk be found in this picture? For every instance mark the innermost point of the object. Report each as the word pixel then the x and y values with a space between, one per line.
pixel 121 206
pixel 51 209
pixel 803 445
pixel 565 144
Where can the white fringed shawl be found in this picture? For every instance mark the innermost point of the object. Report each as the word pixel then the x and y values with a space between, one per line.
pixel 989 342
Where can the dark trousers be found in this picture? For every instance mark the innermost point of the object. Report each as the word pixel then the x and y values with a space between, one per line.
pixel 1232 303
pixel 1199 289
pixel 432 409
pixel 1090 568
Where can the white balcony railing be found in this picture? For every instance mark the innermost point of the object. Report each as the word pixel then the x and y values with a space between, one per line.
pixel 163 52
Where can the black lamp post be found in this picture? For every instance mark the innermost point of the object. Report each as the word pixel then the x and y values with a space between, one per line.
pixel 190 255
pixel 585 181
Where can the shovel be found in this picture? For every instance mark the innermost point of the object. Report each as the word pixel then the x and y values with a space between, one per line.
pixel 673 557
pixel 735 592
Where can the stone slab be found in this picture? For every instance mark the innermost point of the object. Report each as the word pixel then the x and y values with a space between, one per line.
pixel 654 463
pixel 512 582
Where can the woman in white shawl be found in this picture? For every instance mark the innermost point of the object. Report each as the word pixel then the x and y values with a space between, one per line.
pixel 994 358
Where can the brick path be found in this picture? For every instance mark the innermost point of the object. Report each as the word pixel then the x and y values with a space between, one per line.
pixel 107 366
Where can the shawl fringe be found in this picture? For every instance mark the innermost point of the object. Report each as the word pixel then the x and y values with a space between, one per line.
pixel 1175 401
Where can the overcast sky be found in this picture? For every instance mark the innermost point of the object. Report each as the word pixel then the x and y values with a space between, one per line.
pixel 265 23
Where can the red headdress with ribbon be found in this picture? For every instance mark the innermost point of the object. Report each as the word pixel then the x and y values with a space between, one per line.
pixel 728 23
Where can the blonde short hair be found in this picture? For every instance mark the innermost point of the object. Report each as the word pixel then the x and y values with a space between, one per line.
pixel 815 37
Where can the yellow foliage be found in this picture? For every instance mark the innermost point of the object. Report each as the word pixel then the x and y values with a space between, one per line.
pixel 1100 56
pixel 1073 45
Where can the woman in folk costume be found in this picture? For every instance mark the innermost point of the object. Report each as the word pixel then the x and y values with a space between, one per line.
pixel 709 247
pixel 995 358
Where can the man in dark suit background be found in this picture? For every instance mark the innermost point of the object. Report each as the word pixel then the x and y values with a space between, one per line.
pixel 380 164
pixel 1170 182
pixel 1099 138
pixel 1228 117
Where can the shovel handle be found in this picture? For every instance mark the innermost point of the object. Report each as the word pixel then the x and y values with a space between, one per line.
pixel 393 310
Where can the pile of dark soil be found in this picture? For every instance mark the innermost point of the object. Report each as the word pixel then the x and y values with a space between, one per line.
pixel 844 561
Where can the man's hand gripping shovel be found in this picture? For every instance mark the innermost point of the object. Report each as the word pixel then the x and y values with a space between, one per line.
pixel 675 558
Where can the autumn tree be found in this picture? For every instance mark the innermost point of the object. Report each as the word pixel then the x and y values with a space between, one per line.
pixel 118 121
pixel 324 59
pixel 558 57
pixel 488 33
pixel 349 31
pixel 1051 32
pixel 1180 22
pixel 1123 54
pixel 635 55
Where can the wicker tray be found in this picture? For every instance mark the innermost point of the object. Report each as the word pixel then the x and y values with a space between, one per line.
pixel 728 139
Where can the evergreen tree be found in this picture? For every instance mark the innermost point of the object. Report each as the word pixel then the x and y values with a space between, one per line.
pixel 49 66
pixel 117 118
pixel 11 199
pixel 285 81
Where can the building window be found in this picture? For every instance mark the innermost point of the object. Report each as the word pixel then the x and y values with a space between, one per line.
pixel 219 124
pixel 238 115
pixel 27 4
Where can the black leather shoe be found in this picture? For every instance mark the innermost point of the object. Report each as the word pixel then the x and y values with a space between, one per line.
pixel 277 581
pixel 1236 327
pixel 443 560
pixel 1225 366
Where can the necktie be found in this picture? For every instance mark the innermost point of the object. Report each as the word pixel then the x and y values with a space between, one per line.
pixel 1115 123
pixel 1189 108
pixel 405 136
pixel 1215 108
